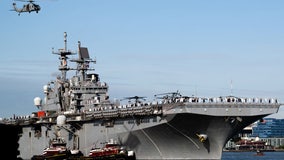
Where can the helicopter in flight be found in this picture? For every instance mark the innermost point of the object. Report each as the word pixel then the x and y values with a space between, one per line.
pixel 29 7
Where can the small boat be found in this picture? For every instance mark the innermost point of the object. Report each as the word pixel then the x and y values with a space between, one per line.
pixel 112 150
pixel 57 150
pixel 259 153
pixel 57 146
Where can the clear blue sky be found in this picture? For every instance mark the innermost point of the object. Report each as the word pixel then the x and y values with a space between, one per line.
pixel 146 47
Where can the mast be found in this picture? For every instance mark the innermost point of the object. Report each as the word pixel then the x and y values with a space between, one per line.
pixel 61 81
pixel 63 53
pixel 65 41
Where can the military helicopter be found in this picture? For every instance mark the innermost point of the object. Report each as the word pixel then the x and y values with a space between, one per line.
pixel 170 95
pixel 136 99
pixel 30 7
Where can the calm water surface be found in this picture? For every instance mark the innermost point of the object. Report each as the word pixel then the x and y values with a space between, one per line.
pixel 252 156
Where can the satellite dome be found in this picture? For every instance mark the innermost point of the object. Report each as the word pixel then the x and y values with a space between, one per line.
pixel 60 120
pixel 37 101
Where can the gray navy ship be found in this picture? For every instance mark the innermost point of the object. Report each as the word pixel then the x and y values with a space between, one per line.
pixel 77 111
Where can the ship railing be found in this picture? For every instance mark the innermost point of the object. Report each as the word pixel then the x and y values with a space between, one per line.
pixel 152 109
pixel 17 120
pixel 231 100
pixel 97 90
pixel 155 108
pixel 125 111
pixel 97 115
pixel 217 100
pixel 110 113
pixel 138 110
pixel 8 121
pixel 103 112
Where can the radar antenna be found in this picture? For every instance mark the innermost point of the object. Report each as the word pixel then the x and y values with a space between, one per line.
pixel 83 61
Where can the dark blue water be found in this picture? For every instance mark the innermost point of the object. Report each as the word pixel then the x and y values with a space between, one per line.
pixel 252 156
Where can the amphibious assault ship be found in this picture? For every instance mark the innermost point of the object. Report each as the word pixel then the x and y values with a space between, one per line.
pixel 78 110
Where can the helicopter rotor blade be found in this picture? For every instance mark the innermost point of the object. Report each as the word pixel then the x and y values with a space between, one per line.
pixel 134 97
pixel 25 0
pixel 168 93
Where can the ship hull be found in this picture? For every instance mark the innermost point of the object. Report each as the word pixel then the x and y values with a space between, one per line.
pixel 174 136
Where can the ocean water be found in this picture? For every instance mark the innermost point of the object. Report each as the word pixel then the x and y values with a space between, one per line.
pixel 252 156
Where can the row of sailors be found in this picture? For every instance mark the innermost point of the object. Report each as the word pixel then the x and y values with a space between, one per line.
pixel 140 107
pixel 176 100
pixel 116 111
pixel 136 106
pixel 27 117
pixel 193 100
pixel 219 100
pixel 187 99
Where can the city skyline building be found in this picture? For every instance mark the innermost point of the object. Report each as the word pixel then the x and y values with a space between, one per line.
pixel 268 128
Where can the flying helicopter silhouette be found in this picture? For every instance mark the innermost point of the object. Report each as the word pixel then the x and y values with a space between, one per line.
pixel 29 7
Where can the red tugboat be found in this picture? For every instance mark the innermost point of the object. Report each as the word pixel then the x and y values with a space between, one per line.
pixel 57 146
pixel 112 151
pixel 57 151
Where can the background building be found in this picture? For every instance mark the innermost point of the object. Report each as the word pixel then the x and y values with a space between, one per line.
pixel 269 130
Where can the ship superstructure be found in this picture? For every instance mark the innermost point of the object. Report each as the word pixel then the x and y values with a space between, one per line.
pixel 172 126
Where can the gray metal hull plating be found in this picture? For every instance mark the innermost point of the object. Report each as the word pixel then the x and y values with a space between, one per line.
pixel 171 137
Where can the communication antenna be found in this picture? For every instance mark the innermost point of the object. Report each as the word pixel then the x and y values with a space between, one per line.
pixel 231 85
pixel 65 41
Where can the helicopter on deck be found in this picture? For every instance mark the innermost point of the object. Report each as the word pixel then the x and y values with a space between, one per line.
pixel 137 99
pixel 29 7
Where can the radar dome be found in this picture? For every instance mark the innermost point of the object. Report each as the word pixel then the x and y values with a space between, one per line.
pixel 37 101
pixel 60 120
pixel 45 88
